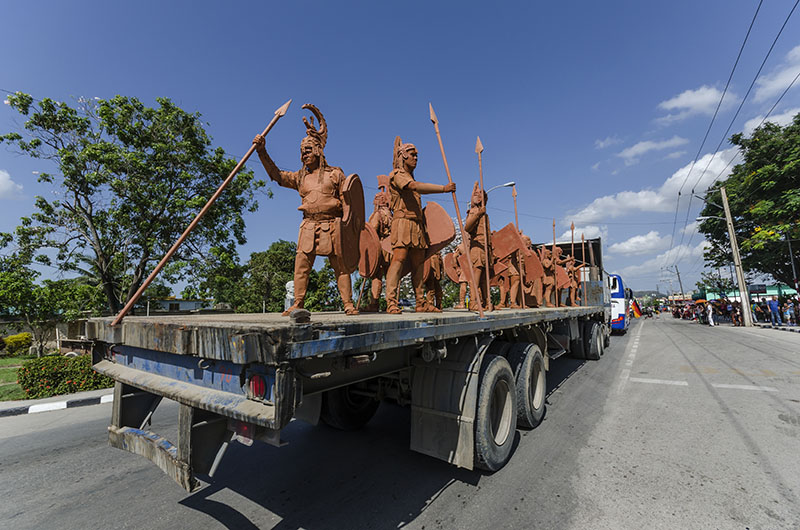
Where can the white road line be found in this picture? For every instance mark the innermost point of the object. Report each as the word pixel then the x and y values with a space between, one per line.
pixel 623 378
pixel 44 407
pixel 629 362
pixel 659 381
pixel 631 350
pixel 108 398
pixel 746 387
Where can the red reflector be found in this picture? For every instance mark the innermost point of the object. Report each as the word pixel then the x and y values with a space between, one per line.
pixel 258 387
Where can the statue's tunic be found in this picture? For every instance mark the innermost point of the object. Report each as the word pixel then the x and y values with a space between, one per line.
pixel 476 229
pixel 408 228
pixel 321 206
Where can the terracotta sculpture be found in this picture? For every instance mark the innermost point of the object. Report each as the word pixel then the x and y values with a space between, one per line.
pixel 452 267
pixel 549 279
pixel 478 235
pixel 574 273
pixel 409 238
pixel 323 191
pixel 381 221
pixel 433 278
pixel 534 275
pixel 508 282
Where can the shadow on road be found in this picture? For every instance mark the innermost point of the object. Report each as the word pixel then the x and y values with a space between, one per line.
pixel 325 478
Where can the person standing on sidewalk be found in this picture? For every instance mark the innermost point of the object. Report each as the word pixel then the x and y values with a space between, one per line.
pixel 710 310
pixel 774 311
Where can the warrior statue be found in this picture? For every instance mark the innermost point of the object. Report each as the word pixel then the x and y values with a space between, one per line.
pixel 381 221
pixel 508 282
pixel 462 280
pixel 409 237
pixel 574 273
pixel 476 228
pixel 549 279
pixel 322 189
pixel 433 278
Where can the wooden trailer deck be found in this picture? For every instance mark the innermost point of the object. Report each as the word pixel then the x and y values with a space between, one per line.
pixel 270 337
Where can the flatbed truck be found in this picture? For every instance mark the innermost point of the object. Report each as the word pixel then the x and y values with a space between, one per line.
pixel 470 382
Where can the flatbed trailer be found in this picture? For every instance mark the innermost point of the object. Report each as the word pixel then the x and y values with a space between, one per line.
pixel 470 381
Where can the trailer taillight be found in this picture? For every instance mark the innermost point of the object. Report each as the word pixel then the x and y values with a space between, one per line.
pixel 258 386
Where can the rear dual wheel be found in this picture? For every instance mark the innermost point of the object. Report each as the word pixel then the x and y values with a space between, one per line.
pixel 527 362
pixel 496 415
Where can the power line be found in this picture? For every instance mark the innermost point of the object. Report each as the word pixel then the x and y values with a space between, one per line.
pixel 708 130
pixel 730 125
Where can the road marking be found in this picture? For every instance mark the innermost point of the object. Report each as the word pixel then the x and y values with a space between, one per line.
pixel 44 407
pixel 745 387
pixel 626 373
pixel 768 373
pixel 659 381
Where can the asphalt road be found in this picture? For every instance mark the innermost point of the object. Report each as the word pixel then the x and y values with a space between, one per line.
pixel 677 426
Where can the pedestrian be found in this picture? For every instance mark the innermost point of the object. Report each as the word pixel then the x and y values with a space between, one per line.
pixel 774 311
pixel 710 309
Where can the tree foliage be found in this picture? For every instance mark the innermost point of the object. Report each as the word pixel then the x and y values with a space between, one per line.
pixel 127 180
pixel 764 196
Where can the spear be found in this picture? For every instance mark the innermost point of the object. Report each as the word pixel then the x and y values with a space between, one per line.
pixel 553 259
pixel 135 298
pixel 572 249
pixel 479 150
pixel 520 255
pixel 470 274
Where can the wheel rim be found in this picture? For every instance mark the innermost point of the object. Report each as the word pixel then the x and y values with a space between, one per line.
pixel 500 412
pixel 537 389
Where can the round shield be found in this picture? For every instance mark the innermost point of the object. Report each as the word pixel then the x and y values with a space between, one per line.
pixel 353 218
pixel 440 227
pixel 451 267
pixel 370 249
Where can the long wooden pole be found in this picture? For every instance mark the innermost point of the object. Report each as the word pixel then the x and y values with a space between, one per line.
pixel 135 298
pixel 520 255
pixel 479 150
pixel 555 272
pixel 470 274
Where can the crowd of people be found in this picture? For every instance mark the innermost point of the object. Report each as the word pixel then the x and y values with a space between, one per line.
pixel 775 311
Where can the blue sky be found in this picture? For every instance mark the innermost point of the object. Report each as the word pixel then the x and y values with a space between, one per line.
pixel 595 109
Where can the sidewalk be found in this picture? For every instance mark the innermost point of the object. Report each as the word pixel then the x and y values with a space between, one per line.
pixel 783 327
pixel 81 399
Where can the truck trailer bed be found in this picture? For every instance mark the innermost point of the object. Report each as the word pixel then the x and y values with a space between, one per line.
pixel 271 338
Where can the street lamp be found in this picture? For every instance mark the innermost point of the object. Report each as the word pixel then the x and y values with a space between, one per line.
pixel 506 185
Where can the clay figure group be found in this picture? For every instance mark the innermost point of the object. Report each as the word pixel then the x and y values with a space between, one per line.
pixel 401 237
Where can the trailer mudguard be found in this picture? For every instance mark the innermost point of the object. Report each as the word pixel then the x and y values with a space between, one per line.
pixel 444 397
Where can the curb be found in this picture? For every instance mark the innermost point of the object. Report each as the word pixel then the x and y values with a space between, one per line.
pixel 795 329
pixel 57 405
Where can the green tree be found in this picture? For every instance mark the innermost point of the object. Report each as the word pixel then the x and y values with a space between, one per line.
pixel 764 196
pixel 128 179
pixel 39 308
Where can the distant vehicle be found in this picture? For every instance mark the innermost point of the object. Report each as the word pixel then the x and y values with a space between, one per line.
pixel 621 298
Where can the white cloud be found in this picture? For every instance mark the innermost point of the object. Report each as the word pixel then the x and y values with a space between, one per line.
pixel 691 228
pixel 631 154
pixel 8 188
pixel 641 244
pixel 607 142
pixel 596 166
pixel 588 231
pixel 703 100
pixel 661 199
pixel 653 265
pixel 676 154
pixel 775 83
pixel 783 119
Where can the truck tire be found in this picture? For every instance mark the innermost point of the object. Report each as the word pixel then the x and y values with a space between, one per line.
pixel 527 363
pixel 593 340
pixel 606 336
pixel 347 411
pixel 496 415
pixel 576 349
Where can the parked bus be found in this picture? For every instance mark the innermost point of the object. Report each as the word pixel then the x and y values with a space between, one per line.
pixel 621 298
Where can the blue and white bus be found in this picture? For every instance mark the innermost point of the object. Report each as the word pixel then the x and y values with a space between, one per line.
pixel 620 303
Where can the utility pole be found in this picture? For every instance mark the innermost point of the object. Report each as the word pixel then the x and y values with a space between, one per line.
pixel 747 317
pixel 679 280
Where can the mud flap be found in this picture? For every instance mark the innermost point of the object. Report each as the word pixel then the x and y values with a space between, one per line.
pixel 444 398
